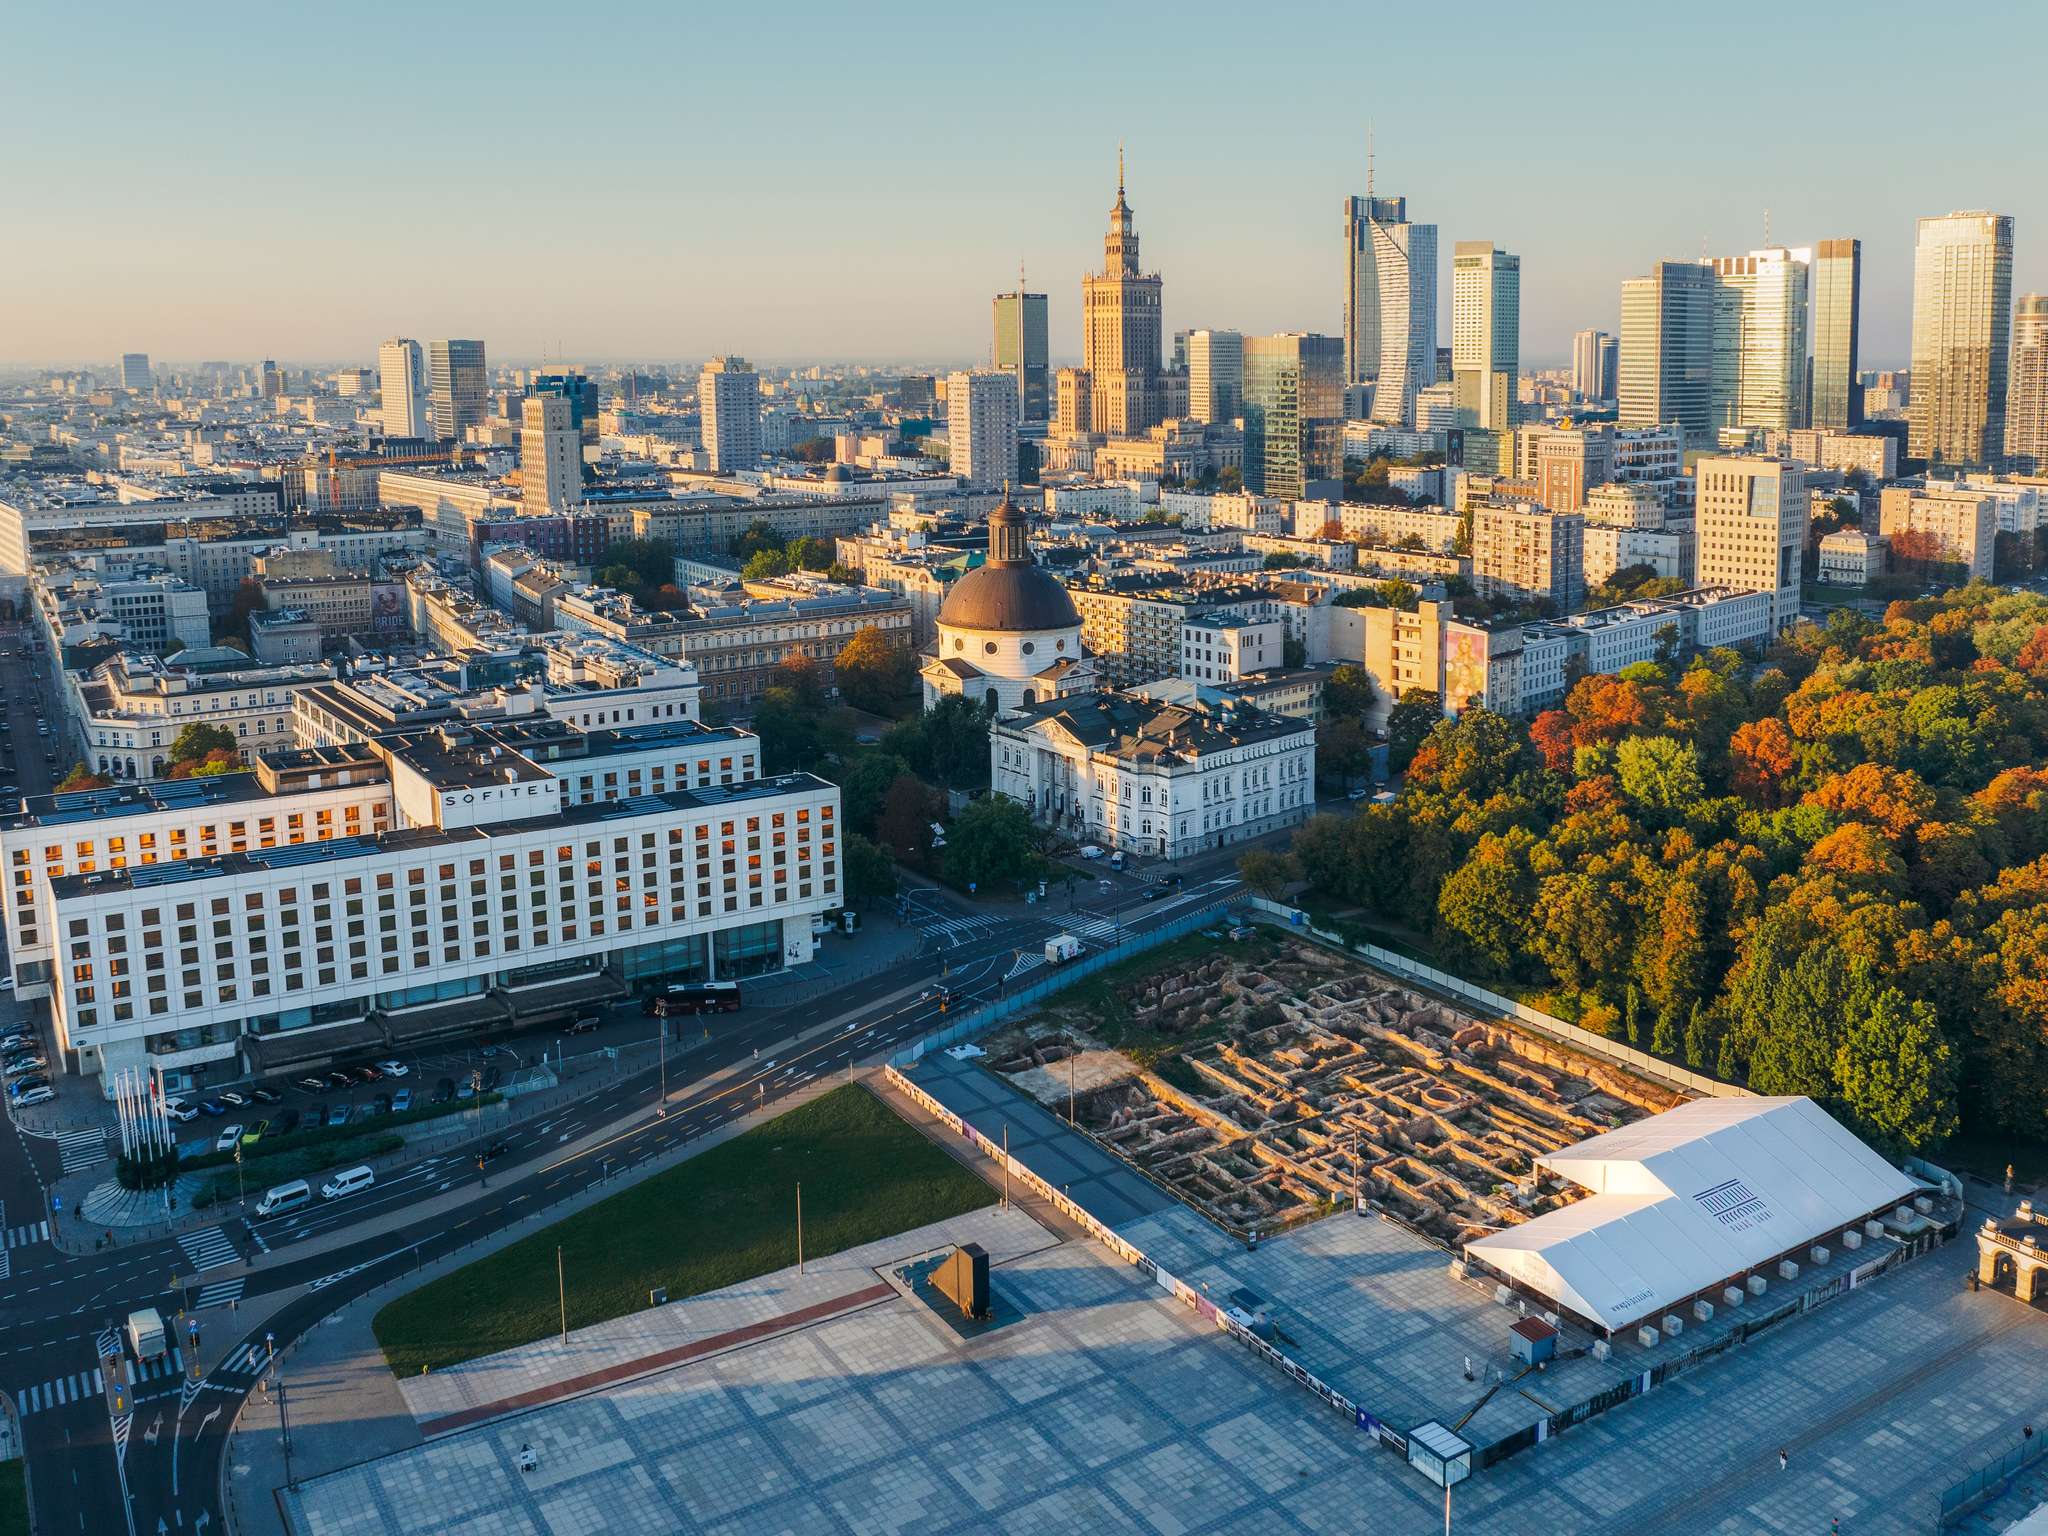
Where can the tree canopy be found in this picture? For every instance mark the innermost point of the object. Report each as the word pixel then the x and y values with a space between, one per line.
pixel 1821 873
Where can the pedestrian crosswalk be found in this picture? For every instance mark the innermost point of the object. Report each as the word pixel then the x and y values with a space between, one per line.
pixel 248 1360
pixel 34 1232
pixel 958 930
pixel 1103 930
pixel 219 1294
pixel 208 1249
pixel 81 1149
pixel 163 1367
pixel 1029 960
pixel 65 1389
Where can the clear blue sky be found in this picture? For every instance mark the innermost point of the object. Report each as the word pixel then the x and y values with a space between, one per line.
pixel 635 180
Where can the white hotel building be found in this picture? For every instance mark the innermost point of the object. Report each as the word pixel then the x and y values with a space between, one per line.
pixel 345 898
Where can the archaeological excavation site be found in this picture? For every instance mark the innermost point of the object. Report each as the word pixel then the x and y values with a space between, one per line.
pixel 1268 1083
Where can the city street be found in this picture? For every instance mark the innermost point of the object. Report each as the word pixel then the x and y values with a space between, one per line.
pixel 106 1453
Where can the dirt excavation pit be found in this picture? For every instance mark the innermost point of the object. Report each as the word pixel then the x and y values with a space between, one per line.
pixel 1311 1075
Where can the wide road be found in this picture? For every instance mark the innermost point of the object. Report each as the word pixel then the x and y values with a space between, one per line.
pixel 108 1454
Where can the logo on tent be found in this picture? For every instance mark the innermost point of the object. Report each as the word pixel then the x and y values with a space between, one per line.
pixel 1733 1205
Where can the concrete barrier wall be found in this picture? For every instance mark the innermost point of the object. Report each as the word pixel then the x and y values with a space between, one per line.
pixel 1621 1054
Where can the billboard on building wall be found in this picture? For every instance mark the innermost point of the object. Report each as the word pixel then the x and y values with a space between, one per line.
pixel 1465 658
pixel 387 607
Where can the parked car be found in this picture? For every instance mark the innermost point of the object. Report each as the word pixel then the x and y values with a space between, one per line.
pixel 234 1099
pixel 179 1110
pixel 265 1095
pixel 42 1093
pixel 311 1085
pixel 338 1115
pixel 401 1101
pixel 21 1087
pixel 584 1025
pixel 383 1104
pixel 18 1040
pixel 255 1133
pixel 286 1121
pixel 228 1139
pixel 340 1080
pixel 366 1074
pixel 22 1066
pixel 212 1108
pixel 444 1090
pixel 393 1068
pixel 466 1089
pixel 1090 851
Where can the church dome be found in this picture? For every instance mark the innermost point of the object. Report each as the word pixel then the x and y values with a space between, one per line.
pixel 1010 592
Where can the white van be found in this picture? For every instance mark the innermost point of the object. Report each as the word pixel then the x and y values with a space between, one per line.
pixel 280 1198
pixel 348 1182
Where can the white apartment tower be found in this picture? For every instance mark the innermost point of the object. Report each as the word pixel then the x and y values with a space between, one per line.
pixel 1594 354
pixel 550 455
pixel 729 404
pixel 402 378
pixel 981 426
pixel 1215 375
pixel 1751 517
pixel 1486 333
pixel 2026 412
pixel 135 374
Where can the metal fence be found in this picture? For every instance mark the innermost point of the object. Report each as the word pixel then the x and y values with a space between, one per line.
pixel 1408 969
pixel 1055 977
pixel 1989 1480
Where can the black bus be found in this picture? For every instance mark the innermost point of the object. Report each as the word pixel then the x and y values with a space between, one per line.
pixel 685 997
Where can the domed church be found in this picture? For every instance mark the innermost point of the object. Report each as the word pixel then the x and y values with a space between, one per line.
pixel 1008 631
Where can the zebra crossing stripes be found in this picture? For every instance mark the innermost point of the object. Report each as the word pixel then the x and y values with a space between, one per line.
pixel 65 1389
pixel 248 1360
pixel 1101 929
pixel 34 1232
pixel 159 1369
pixel 81 1149
pixel 219 1293
pixel 208 1249
pixel 960 929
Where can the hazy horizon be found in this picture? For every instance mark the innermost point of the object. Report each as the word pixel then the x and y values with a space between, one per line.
pixel 855 189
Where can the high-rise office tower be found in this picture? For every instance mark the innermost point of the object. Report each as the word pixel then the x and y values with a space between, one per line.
pixel 580 390
pixel 402 380
pixel 1486 333
pixel 2026 407
pixel 1593 359
pixel 1020 348
pixel 135 375
pixel 1293 408
pixel 1666 361
pixel 550 455
pixel 1361 280
pixel 1121 331
pixel 458 387
pixel 1760 316
pixel 729 414
pixel 1750 526
pixel 270 379
pixel 1215 374
pixel 1404 270
pixel 1836 399
pixel 1962 310
pixel 981 426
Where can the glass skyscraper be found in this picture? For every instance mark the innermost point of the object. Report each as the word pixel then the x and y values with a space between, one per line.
pixel 1293 386
pixel 1962 315
pixel 1836 400
pixel 1021 350
pixel 458 386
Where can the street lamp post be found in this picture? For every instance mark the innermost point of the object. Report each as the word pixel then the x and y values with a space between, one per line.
pixel 661 1026
pixel 799 1227
pixel 562 1293
pixel 284 1430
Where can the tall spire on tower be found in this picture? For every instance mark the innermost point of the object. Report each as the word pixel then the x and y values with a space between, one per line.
pixel 1119 170
pixel 1368 157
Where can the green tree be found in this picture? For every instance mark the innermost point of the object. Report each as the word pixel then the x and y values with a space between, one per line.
pixel 1664 1038
pixel 809 554
pixel 1482 907
pixel 196 742
pixel 1632 1015
pixel 904 825
pixel 82 777
pixel 789 732
pixel 991 842
pixel 1268 874
pixel 1660 773
pixel 1398 594
pixel 765 565
pixel 1349 690
pixel 872 673
pixel 864 783
pixel 870 873
pixel 1409 723
pixel 759 536
pixel 1896 1074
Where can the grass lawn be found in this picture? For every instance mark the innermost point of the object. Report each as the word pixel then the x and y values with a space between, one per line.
pixel 724 1216
pixel 13 1498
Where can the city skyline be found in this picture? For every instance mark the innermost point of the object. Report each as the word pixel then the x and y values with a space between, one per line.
pixel 231 269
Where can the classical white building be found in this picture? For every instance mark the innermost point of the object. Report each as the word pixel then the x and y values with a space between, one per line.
pixel 1163 780
pixel 1009 633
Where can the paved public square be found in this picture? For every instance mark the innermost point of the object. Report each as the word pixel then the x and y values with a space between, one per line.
pixel 1109 1406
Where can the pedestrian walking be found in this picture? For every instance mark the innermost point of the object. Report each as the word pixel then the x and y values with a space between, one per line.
pixel 1784 1461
